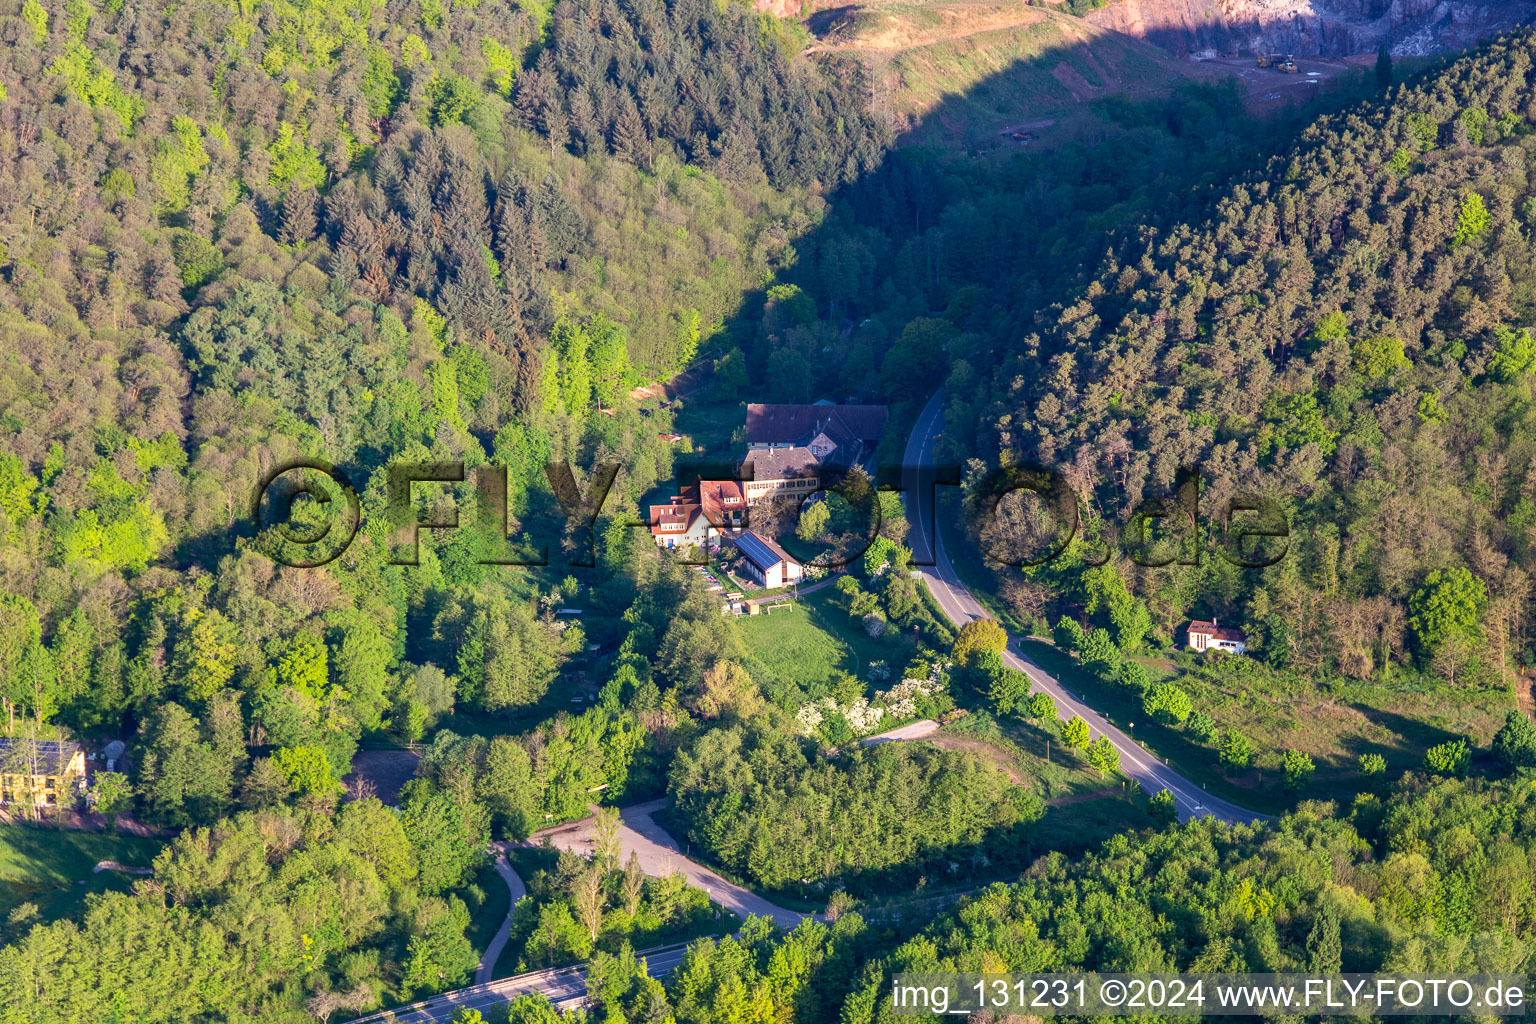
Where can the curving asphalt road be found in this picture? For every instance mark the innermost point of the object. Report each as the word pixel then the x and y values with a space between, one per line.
pixel 516 890
pixel 659 855
pixel 961 607
pixel 565 987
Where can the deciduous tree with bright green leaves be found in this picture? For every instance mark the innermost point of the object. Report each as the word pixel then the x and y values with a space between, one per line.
pixel 1449 758
pixel 1235 751
pixel 1007 689
pixel 308 771
pixel 304 665
pixel 1472 219
pixel 977 637
pixel 1295 770
pixel 1447 606
pixel 1103 755
pixel 1040 706
pixel 812 524
pixel 1514 353
pixel 1515 742
pixel 1167 703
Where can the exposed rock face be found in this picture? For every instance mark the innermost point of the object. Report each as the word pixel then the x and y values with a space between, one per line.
pixel 779 8
pixel 1327 28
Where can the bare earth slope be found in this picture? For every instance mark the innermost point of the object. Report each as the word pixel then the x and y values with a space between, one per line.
pixel 994 65
pixel 1331 28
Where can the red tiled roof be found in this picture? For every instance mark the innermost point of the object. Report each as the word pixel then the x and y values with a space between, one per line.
pixel 673 514
pixel 715 497
pixel 1210 629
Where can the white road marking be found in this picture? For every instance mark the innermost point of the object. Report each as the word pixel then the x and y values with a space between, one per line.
pixel 957 603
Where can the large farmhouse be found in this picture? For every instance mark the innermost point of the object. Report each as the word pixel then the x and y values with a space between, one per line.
pixel 770 473
pixel 790 448
pixel 837 435
pixel 709 506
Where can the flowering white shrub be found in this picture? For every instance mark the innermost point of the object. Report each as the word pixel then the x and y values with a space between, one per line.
pixel 901 700
pixel 810 716
pixel 862 717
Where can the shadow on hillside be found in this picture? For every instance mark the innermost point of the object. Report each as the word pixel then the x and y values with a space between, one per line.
pixel 986 236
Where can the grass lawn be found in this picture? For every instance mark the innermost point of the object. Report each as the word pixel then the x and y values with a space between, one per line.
pixel 1332 724
pixel 787 647
pixel 47 866
pixel 893 647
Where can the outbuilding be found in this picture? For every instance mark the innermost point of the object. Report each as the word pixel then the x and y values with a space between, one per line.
pixel 766 562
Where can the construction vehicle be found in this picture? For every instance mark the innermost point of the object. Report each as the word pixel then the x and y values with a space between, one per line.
pixel 1282 62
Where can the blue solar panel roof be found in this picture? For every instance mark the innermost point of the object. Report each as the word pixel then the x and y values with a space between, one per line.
pixel 759 551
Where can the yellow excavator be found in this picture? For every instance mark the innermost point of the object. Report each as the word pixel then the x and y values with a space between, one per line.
pixel 1282 62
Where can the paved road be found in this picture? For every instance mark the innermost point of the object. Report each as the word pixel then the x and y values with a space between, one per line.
pixel 565 987
pixel 961 608
pixel 659 855
pixel 515 888
pixel 910 731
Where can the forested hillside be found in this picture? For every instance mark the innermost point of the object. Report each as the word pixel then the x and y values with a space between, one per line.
pixel 358 234
pixel 1348 334
pixel 236 235
pixel 1380 887
pixel 1341 328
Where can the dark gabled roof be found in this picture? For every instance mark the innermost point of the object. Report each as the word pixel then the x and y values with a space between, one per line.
pixel 52 755
pixel 797 424
pixel 762 552
pixel 778 464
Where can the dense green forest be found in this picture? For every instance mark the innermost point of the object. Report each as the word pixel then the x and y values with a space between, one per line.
pixel 1347 335
pixel 1334 323
pixel 237 235
pixel 1435 877
pixel 233 238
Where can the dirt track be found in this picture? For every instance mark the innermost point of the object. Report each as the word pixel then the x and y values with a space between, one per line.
pixel 1270 90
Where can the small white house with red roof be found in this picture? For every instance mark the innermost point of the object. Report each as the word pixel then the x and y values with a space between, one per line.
pixel 1208 636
